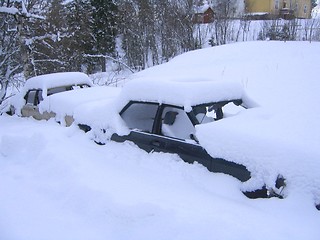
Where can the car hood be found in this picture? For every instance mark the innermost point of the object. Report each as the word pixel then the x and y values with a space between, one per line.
pixel 268 143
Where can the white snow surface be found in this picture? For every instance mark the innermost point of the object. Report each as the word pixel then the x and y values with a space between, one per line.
pixel 315 13
pixel 56 183
pixel 66 103
pixel 53 80
pixel 184 92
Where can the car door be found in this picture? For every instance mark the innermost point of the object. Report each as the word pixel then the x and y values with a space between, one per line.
pixel 177 135
pixel 31 108
pixel 167 128
pixel 140 118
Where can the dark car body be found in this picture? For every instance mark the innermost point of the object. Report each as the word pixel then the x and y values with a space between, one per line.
pixel 161 121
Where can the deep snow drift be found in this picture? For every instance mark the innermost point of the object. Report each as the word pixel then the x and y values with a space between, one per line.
pixel 56 183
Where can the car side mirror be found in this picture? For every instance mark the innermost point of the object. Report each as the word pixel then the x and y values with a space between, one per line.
pixel 170 117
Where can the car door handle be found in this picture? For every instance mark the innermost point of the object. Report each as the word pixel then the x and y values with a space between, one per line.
pixel 156 143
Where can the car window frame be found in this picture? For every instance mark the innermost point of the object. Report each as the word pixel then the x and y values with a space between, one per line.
pixel 158 121
pixel 37 97
pixel 219 109
pixel 130 103
pixel 65 88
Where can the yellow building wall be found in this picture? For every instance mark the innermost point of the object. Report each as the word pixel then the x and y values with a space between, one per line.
pixel 301 8
pixel 268 6
pixel 253 6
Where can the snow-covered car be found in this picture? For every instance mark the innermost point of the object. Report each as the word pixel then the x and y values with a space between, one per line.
pixel 164 117
pixel 56 96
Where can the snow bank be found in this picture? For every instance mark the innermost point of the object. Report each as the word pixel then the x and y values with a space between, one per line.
pixel 268 145
pixel 65 103
pixel 315 13
pixel 55 183
pixel 104 119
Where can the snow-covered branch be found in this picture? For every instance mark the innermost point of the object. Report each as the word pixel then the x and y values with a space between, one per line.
pixel 21 11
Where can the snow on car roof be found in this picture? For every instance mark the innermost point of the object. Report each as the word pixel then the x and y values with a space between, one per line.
pixel 184 93
pixel 56 80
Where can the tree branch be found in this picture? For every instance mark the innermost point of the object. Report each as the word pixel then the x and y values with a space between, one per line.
pixel 108 57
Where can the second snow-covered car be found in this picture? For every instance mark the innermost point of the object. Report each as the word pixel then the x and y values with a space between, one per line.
pixel 56 96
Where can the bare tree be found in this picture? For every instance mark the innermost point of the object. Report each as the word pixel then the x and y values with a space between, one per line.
pixel 223 22
pixel 9 52
pixel 311 29
pixel 15 17
pixel 244 28
pixel 154 31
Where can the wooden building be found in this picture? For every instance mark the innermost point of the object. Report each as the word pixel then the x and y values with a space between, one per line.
pixel 203 14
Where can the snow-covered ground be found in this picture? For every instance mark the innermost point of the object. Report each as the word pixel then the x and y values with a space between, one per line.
pixel 56 183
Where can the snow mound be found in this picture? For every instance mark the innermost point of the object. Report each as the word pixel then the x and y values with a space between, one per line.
pixel 52 80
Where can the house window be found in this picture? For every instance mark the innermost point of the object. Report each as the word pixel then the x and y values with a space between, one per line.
pixel 305 9
pixel 276 4
pixel 284 4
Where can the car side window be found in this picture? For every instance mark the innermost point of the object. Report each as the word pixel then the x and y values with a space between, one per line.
pixel 30 97
pixel 140 115
pixel 58 90
pixel 34 97
pixel 176 123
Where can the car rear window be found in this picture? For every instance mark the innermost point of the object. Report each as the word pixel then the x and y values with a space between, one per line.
pixel 65 88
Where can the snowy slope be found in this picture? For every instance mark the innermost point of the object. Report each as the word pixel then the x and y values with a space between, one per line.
pixel 55 183
pixel 271 72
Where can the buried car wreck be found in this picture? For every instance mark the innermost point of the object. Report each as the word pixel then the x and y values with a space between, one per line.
pixel 56 96
pixel 166 120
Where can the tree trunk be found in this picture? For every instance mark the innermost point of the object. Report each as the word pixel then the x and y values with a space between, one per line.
pixel 28 68
pixel 103 64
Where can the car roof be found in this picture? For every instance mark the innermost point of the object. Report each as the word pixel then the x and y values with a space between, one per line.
pixel 182 93
pixel 56 80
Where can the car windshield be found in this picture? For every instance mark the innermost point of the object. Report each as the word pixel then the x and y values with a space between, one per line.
pixel 206 113
pixel 66 88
